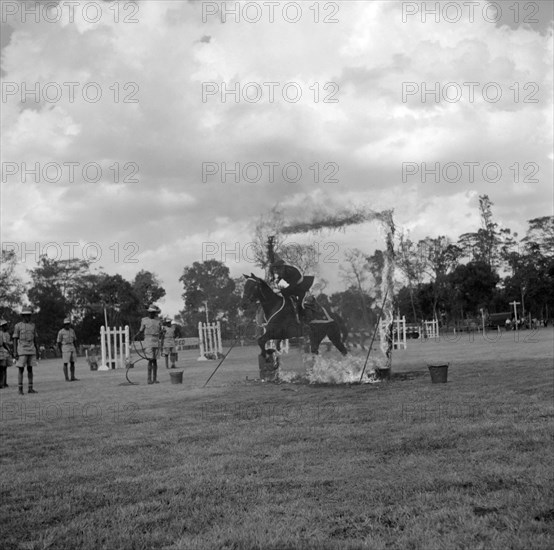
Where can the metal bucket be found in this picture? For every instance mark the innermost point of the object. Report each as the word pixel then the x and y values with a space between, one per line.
pixel 439 373
pixel 176 377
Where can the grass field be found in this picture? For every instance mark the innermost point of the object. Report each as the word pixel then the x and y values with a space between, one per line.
pixel 240 464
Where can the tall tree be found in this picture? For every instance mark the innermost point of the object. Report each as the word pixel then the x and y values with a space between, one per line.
pixel 107 296
pixel 490 242
pixel 440 257
pixel 11 285
pixel 349 306
pixel 412 265
pixel 147 288
pixel 474 286
pixel 540 236
pixel 65 275
pixel 531 280
pixel 208 284
pixel 355 273
pixel 48 294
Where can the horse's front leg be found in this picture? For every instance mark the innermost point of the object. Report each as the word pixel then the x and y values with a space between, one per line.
pixel 262 341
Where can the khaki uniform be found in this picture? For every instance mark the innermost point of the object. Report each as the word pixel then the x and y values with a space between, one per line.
pixel 67 338
pixel 152 330
pixel 26 333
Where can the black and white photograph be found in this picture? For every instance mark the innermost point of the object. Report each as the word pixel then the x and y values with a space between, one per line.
pixel 276 274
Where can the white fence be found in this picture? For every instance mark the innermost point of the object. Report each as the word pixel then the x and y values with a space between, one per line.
pixel 430 329
pixel 114 346
pixel 209 341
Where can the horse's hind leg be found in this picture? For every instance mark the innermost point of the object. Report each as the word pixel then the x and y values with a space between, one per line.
pixel 316 336
pixel 335 336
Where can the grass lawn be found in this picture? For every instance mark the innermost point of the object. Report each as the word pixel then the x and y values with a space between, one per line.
pixel 240 464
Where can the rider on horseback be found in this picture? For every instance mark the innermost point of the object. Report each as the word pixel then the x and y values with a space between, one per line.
pixel 298 285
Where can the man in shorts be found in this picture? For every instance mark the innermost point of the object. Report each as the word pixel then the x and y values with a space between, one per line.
pixel 150 330
pixel 168 349
pixel 67 342
pixel 5 353
pixel 26 348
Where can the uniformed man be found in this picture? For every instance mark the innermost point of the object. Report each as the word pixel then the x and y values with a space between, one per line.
pixel 67 344
pixel 26 348
pixel 169 349
pixel 150 331
pixel 5 353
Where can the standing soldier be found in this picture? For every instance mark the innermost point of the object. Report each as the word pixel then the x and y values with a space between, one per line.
pixel 150 329
pixel 169 344
pixel 5 353
pixel 26 348
pixel 67 342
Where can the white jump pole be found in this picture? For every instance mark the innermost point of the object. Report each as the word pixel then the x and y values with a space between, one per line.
pixel 218 335
pixel 127 348
pixel 201 342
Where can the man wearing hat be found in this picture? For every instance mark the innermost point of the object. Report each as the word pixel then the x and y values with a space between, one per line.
pixel 298 285
pixel 67 342
pixel 168 344
pixel 5 353
pixel 150 329
pixel 26 348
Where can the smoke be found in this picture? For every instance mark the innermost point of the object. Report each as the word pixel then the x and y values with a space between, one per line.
pixel 322 219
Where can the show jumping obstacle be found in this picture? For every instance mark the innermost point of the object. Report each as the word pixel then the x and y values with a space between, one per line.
pixel 114 345
pixel 431 329
pixel 209 341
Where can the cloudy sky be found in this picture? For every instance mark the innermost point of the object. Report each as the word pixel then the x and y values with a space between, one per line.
pixel 122 124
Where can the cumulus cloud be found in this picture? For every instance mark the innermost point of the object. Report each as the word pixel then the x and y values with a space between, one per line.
pixel 152 123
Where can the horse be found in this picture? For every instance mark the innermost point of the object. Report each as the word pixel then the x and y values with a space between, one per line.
pixel 281 321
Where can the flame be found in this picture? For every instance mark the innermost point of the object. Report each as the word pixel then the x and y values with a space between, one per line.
pixel 329 370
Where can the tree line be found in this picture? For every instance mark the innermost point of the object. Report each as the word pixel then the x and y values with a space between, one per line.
pixel 437 277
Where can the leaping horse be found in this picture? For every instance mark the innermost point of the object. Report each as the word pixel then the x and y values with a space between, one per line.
pixel 281 322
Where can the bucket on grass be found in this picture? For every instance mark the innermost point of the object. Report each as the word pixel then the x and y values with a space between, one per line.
pixel 382 374
pixel 176 377
pixel 93 362
pixel 439 373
